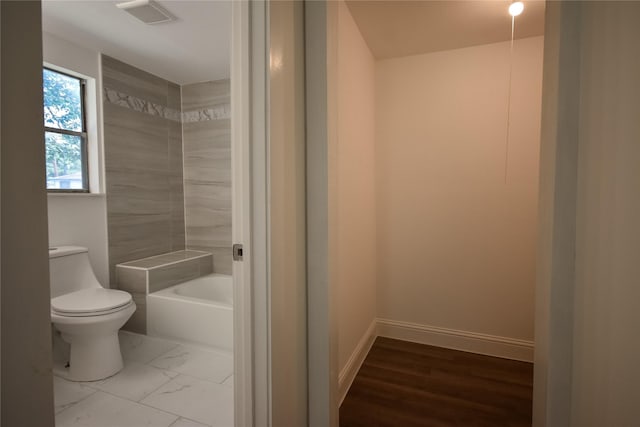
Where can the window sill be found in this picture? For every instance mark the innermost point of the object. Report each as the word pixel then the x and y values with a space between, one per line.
pixel 76 194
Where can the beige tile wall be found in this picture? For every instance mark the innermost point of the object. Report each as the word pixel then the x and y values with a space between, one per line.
pixel 207 170
pixel 143 163
pixel 150 124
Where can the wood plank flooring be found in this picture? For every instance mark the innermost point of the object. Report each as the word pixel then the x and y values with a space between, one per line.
pixel 407 384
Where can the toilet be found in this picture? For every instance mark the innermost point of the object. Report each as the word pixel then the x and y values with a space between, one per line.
pixel 87 315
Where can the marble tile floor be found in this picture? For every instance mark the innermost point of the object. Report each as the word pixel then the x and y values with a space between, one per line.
pixel 163 384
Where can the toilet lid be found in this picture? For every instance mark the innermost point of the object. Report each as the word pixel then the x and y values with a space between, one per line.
pixel 94 300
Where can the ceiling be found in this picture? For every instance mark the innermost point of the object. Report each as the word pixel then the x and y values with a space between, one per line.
pixel 394 28
pixel 194 48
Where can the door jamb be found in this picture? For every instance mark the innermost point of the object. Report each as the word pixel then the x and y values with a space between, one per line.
pixel 250 213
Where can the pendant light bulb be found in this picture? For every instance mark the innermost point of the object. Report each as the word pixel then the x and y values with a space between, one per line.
pixel 516 8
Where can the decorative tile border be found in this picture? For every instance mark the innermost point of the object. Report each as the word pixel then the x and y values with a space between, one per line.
pixel 140 105
pixel 120 99
pixel 222 111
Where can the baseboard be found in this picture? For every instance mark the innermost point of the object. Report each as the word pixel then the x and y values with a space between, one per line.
pixel 508 348
pixel 348 373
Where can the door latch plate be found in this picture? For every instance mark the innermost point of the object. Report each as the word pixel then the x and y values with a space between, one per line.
pixel 237 252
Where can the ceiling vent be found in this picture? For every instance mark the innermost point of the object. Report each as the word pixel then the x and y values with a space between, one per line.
pixel 148 11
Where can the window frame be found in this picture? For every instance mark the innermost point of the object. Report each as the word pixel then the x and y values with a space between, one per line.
pixel 84 139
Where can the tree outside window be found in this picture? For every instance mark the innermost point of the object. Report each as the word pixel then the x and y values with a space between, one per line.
pixel 65 132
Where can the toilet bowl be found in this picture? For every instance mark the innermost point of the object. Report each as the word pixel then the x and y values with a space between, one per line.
pixel 87 315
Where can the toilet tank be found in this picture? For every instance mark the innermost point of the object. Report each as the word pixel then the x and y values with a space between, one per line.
pixel 70 270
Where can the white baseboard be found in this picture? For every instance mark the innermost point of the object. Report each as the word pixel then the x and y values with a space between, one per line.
pixel 348 373
pixel 508 348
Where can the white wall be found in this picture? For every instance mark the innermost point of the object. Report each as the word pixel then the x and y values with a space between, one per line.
pixel 81 219
pixel 356 208
pixel 456 243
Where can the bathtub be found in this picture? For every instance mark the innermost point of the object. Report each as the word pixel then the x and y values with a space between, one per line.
pixel 198 311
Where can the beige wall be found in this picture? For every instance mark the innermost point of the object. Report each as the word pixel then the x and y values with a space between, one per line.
pixel 556 221
pixel 456 243
pixel 287 216
pixel 27 389
pixel 321 102
pixel 356 210
pixel 606 349
pixel 586 316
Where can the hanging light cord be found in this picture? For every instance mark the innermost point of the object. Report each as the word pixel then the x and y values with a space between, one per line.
pixel 506 156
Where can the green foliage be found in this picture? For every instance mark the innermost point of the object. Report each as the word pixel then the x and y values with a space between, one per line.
pixel 62 101
pixel 62 110
pixel 64 154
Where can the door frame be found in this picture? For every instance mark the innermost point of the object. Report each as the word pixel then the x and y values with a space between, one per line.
pixel 250 222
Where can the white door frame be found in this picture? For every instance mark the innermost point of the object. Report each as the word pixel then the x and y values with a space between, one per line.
pixel 250 213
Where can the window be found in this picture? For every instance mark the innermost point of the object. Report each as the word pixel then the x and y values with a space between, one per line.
pixel 65 132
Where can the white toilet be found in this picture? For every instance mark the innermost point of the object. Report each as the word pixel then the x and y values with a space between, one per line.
pixel 87 315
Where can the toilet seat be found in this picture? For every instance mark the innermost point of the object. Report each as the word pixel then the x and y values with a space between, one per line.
pixel 90 302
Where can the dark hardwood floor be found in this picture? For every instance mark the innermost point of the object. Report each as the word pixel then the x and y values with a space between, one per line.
pixel 407 384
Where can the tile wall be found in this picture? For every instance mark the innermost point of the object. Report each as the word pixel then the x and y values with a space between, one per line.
pixel 158 272
pixel 207 170
pixel 158 201
pixel 143 164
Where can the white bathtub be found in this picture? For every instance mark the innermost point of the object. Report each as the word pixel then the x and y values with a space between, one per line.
pixel 198 311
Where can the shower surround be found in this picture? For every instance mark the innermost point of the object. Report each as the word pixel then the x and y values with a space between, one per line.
pixel 167 155
pixel 206 138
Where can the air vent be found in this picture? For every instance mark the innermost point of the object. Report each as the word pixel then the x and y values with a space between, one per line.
pixel 147 11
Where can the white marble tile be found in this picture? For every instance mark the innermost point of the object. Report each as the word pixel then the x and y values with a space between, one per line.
pixel 196 362
pixel 104 410
pixel 183 422
pixel 68 393
pixel 198 400
pixel 141 348
pixel 135 381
